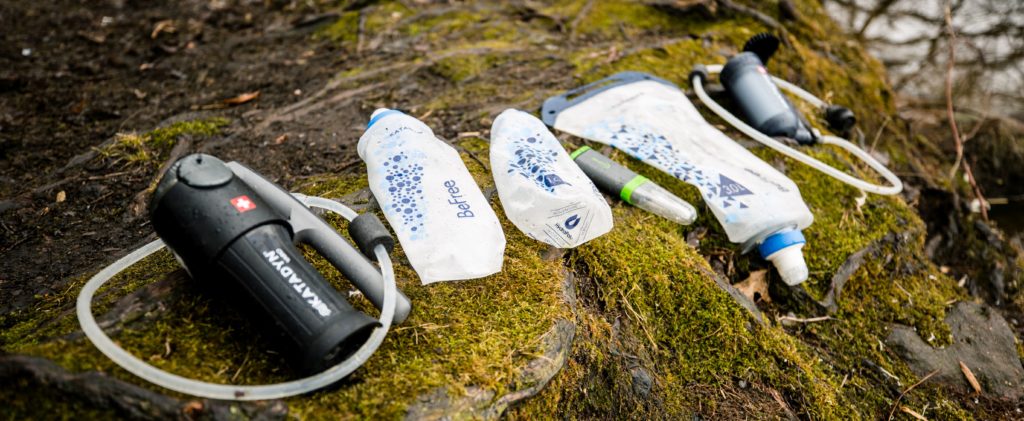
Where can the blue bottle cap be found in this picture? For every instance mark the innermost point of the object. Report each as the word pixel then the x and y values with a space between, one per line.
pixel 380 113
pixel 779 241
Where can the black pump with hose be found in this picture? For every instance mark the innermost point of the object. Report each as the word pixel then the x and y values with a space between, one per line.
pixel 767 113
pixel 228 225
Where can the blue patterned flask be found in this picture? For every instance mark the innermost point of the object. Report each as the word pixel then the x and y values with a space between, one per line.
pixel 544 193
pixel 445 225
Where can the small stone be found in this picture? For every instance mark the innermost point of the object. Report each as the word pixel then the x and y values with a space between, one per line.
pixel 982 340
pixel 642 381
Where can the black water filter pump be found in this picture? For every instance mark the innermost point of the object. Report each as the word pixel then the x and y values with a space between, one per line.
pixel 228 225
pixel 224 229
pixel 746 80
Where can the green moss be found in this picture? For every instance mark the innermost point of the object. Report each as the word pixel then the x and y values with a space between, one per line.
pixel 384 17
pixel 463 67
pixel 620 18
pixel 150 148
pixel 344 31
pixel 334 186
pixel 440 25
pixel 672 60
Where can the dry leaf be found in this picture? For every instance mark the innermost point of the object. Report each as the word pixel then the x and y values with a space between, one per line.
pixel 755 287
pixel 970 377
pixel 193 409
pixel 61 196
pixel 166 25
pixel 912 413
pixel 242 99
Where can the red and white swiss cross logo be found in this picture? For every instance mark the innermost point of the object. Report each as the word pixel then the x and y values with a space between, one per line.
pixel 243 204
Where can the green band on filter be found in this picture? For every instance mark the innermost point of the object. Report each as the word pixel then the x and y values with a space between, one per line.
pixel 579 151
pixel 627 191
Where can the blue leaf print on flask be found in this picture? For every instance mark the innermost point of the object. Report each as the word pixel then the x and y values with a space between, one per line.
pixel 403 181
pixel 656 150
pixel 534 163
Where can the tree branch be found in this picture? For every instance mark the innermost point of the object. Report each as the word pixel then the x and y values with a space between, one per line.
pixel 952 121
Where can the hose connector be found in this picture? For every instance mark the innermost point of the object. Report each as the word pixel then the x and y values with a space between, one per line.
pixel 699 71
pixel 840 119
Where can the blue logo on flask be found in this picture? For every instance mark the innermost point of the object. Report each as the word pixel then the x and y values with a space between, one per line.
pixel 572 222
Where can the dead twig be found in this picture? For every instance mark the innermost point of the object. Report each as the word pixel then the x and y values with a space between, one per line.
pixel 982 122
pixel 952 120
pixel 240 367
pixel 907 390
pixel 878 134
pixel 360 33
pixel 640 321
pixel 912 413
pixel 584 11
pixel 807 320
pixel 782 403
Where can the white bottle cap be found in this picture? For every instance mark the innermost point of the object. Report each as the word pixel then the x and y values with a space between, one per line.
pixel 378 111
pixel 790 263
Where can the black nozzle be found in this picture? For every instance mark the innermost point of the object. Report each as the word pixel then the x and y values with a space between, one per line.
pixel 763 44
pixel 840 119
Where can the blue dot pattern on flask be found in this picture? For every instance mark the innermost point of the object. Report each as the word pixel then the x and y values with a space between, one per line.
pixel 534 163
pixel 404 182
pixel 657 151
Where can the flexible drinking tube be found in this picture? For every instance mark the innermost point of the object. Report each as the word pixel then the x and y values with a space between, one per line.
pixel 896 186
pixel 225 391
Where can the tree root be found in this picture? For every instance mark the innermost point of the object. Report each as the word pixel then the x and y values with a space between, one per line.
pixel 127 399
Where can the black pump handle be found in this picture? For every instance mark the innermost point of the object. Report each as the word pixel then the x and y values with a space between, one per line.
pixel 312 230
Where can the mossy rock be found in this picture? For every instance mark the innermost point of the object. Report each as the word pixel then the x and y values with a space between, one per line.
pixel 639 323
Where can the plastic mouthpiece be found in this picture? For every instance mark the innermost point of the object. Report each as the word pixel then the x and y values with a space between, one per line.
pixel 785 251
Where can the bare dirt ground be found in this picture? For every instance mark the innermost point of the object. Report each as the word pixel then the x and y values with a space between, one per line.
pixel 73 75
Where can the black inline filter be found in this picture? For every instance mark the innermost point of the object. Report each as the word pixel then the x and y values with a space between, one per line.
pixel 222 230
pixel 761 103
pixel 766 113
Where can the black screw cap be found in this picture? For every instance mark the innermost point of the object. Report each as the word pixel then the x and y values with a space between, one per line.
pixel 203 171
pixel 763 44
pixel 840 119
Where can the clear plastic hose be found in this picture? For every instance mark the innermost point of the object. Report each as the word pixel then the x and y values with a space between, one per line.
pixel 896 184
pixel 225 391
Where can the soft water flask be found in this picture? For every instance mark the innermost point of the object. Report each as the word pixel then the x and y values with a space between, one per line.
pixel 653 121
pixel 544 193
pixel 445 224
